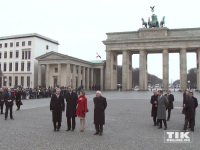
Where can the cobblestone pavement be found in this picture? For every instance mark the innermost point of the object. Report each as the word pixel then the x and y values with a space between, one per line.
pixel 129 126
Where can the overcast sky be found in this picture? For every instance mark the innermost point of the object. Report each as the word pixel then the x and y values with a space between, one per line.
pixel 80 26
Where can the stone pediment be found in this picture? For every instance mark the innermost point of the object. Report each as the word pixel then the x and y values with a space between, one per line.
pixel 52 56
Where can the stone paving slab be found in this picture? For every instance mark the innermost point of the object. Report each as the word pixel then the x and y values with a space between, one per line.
pixel 129 126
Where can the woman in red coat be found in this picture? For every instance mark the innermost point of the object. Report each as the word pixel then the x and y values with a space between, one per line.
pixel 82 109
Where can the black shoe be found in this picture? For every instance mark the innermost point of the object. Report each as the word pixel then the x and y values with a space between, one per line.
pixel 72 129
pixel 5 118
pixel 96 133
pixel 165 128
pixel 54 130
pixel 159 127
pixel 68 130
pixel 192 130
pixel 100 133
pixel 12 118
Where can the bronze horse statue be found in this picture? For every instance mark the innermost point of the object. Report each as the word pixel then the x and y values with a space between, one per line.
pixel 144 23
pixel 162 22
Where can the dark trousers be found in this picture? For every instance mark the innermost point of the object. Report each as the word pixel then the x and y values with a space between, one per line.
pixel 2 108
pixel 69 123
pixel 6 113
pixel 155 121
pixel 55 126
pixel 169 113
pixel 99 128
pixel 191 123
pixel 164 121
pixel 18 105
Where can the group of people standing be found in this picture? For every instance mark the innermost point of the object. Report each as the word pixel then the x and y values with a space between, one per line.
pixel 7 97
pixel 163 103
pixel 57 107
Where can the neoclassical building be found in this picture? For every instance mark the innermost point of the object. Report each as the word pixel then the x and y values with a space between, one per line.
pixel 63 70
pixel 143 42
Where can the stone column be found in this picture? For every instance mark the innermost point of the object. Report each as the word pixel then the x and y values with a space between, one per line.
pixel 59 74
pixel 68 74
pixel 143 80
pixel 108 71
pixel 198 69
pixel 83 78
pixel 47 75
pixel 79 76
pixel 101 79
pixel 92 79
pixel 127 70
pixel 74 77
pixel 183 70
pixel 88 79
pixel 165 70
pixel 39 74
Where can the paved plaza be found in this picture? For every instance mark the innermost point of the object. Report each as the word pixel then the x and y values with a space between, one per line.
pixel 129 126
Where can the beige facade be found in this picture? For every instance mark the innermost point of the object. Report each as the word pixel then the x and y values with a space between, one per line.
pixel 143 42
pixel 64 70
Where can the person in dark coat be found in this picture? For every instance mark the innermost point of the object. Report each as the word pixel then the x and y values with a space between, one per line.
pixel 100 105
pixel 57 106
pixel 71 99
pixel 9 97
pixel 18 99
pixel 189 111
pixel 195 105
pixel 1 99
pixel 154 102
pixel 170 98
pixel 161 111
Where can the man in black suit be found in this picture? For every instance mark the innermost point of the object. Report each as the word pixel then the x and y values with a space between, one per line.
pixel 154 102
pixel 18 98
pixel 71 99
pixel 100 105
pixel 57 106
pixel 195 105
pixel 9 97
pixel 189 111
pixel 170 98
pixel 1 100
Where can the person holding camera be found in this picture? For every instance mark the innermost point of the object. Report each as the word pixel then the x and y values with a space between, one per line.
pixel 82 109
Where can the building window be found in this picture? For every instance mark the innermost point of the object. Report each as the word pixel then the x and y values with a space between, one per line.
pixel 4 81
pixel 22 54
pixel 10 81
pixel 6 45
pixel 47 47
pixel 11 44
pixel 56 70
pixel 11 54
pixel 17 44
pixel 4 67
pixel 0 55
pixel 16 80
pixel 29 66
pixel 28 81
pixel 23 43
pixel 16 66
pixel 0 45
pixel 29 54
pixel 22 81
pixel 29 43
pixel 26 55
pixel 10 66
pixel 17 54
pixel 0 67
pixel 22 66
pixel 5 54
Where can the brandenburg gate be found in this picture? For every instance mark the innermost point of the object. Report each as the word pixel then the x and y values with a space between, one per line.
pixel 146 41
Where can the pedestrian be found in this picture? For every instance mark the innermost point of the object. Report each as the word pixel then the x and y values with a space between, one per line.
pixel 18 99
pixel 154 102
pixel 189 112
pixel 195 105
pixel 71 99
pixel 161 111
pixel 1 99
pixel 9 98
pixel 82 109
pixel 100 105
pixel 57 106
pixel 170 98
